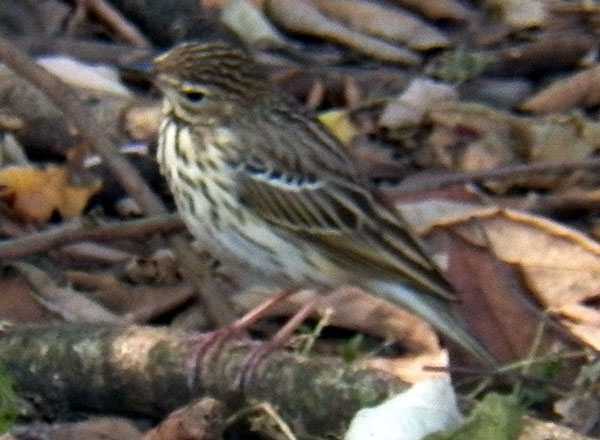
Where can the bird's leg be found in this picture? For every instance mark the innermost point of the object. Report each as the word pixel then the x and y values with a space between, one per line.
pixel 202 343
pixel 277 341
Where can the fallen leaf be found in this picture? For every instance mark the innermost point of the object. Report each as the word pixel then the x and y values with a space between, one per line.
pixel 202 419
pixel 521 14
pixel 412 368
pixel 386 22
pixel 458 127
pixel 141 122
pixel 338 122
pixel 36 194
pixel 561 137
pixel 69 304
pixel 558 265
pixel 410 107
pixel 304 18
pixel 249 23
pixel 499 137
pixel 579 90
pixel 578 412
pixel 98 78
pixel 440 9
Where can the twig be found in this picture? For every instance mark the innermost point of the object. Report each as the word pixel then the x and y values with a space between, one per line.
pixel 431 182
pixel 81 230
pixel 71 305
pixel 113 18
pixel 554 386
pixel 85 50
pixel 197 272
pixel 65 98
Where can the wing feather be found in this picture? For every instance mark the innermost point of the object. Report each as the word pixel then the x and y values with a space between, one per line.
pixel 331 205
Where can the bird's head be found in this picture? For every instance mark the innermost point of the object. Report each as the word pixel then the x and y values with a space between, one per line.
pixel 199 79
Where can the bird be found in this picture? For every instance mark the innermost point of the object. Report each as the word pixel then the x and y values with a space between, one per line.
pixel 266 188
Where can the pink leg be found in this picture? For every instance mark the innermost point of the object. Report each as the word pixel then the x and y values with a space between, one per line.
pixel 277 341
pixel 202 343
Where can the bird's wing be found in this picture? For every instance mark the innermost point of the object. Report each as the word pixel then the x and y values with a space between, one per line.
pixel 299 201
pixel 337 213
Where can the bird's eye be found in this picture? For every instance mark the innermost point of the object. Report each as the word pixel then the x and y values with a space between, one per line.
pixel 194 96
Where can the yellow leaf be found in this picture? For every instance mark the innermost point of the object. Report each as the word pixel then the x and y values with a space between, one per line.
pixel 36 194
pixel 339 124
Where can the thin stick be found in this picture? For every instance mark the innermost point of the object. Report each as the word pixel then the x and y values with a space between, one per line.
pixel 65 98
pixel 80 230
pixel 113 19
pixel 104 52
pixel 432 182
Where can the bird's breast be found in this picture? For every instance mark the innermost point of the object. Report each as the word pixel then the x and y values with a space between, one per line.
pixel 205 192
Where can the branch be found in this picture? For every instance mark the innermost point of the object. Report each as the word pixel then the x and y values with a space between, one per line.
pixel 81 230
pixel 113 18
pixel 429 182
pixel 146 371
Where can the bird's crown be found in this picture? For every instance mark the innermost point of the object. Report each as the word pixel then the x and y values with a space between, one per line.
pixel 215 64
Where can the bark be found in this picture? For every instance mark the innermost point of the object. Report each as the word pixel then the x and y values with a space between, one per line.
pixel 149 371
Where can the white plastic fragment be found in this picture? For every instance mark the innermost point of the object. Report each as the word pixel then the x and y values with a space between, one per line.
pixel 423 409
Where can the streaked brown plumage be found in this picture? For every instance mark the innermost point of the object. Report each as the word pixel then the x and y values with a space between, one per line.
pixel 264 185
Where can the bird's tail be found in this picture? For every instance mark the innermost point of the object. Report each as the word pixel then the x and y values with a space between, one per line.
pixel 436 311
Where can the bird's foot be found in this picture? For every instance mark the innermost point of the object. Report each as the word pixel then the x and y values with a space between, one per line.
pixel 203 343
pixel 280 338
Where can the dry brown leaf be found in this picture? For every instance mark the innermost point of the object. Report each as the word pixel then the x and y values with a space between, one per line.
pixel 95 428
pixel 141 122
pixel 388 23
pixel 521 14
pixel 550 52
pixel 410 107
pixel 561 137
pixel 412 369
pixel 17 303
pixel 484 155
pixel 471 136
pixel 249 23
pixel 440 9
pixel 588 333
pixel 354 309
pixel 559 265
pixel 36 194
pixel 473 126
pixel 580 89
pixel 581 412
pixel 100 79
pixel 302 17
pixel 201 420
pixel 66 302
